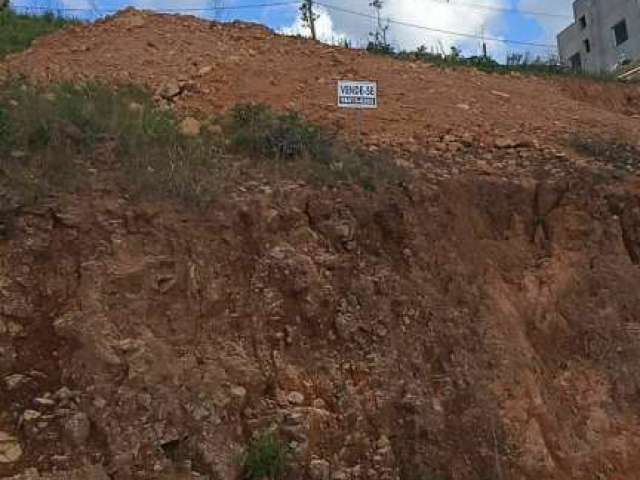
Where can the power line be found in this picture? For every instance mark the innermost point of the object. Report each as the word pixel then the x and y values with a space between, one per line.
pixel 331 7
pixel 439 30
pixel 501 9
pixel 277 4
pixel 201 9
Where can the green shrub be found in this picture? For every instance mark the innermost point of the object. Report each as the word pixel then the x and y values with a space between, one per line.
pixel 257 130
pixel 55 139
pixel 18 31
pixel 304 150
pixel 266 458
pixel 54 134
pixel 612 152
pixel 85 115
pixel 5 129
pixel 191 172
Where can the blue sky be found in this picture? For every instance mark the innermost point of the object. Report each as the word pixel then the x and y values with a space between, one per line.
pixel 475 17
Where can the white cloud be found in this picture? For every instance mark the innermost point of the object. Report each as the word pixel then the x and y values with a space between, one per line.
pixel 96 8
pixel 334 25
pixel 448 15
pixel 438 15
pixel 549 25
pixel 325 30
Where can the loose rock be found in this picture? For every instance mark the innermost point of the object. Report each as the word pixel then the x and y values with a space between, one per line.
pixel 205 70
pixel 77 428
pixel 15 381
pixel 190 127
pixel 238 392
pixel 63 394
pixel 320 470
pixel 295 398
pixel 30 415
pixel 10 449
pixel 45 402
pixel 170 89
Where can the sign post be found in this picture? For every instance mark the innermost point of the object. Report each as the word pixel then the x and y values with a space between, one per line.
pixel 359 95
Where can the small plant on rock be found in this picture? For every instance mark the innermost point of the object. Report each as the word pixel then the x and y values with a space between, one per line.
pixel 258 130
pixel 4 128
pixel 266 458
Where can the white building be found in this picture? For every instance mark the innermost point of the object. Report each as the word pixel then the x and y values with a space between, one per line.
pixel 604 35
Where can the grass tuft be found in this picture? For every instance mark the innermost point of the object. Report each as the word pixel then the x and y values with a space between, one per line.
pixel 290 144
pixel 64 137
pixel 50 137
pixel 257 130
pixel 18 31
pixel 624 158
pixel 266 458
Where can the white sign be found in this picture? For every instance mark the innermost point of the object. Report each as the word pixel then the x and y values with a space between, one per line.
pixel 357 94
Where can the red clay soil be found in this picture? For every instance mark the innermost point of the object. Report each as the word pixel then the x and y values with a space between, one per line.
pixel 223 64
pixel 481 329
pixel 473 327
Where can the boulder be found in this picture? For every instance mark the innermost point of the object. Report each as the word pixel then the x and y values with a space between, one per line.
pixel 190 127
pixel 10 448
pixel 170 89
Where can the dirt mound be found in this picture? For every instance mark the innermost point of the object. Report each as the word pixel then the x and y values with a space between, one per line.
pixel 209 67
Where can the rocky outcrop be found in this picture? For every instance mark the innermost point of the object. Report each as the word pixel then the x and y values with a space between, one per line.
pixel 481 328
pixel 86 473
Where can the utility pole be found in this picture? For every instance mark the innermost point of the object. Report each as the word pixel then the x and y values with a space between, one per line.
pixel 484 44
pixel 309 17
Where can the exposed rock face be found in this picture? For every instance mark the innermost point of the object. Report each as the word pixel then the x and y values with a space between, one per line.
pixel 478 326
pixel 475 323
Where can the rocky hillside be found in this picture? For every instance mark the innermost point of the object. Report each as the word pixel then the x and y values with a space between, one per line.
pixel 206 68
pixel 480 320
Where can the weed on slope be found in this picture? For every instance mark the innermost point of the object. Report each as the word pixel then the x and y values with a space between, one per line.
pixel 57 139
pixel 18 31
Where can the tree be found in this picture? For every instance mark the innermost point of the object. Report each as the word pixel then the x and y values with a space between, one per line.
pixel 4 5
pixel 309 17
pixel 379 42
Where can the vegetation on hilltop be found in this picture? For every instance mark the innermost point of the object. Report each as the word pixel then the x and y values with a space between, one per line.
pixel 55 138
pixel 17 31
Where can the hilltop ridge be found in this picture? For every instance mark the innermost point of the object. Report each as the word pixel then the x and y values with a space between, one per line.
pixel 426 111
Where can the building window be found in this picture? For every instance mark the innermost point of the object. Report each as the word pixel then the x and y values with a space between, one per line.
pixel 583 22
pixel 576 62
pixel 587 45
pixel 620 32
